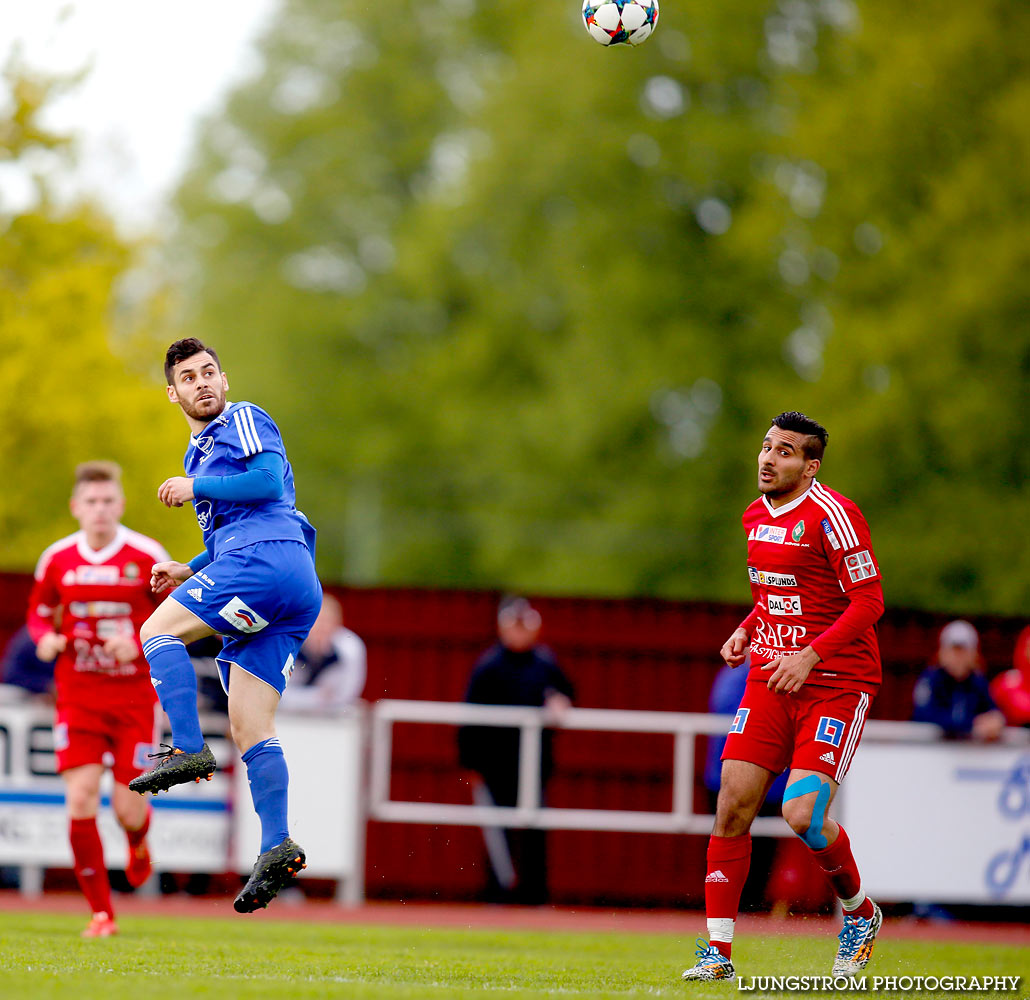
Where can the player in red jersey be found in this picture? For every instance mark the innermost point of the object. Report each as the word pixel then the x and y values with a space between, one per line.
pixel 91 595
pixel 815 664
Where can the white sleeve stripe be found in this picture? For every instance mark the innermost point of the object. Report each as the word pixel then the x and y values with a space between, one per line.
pixel 253 428
pixel 840 523
pixel 842 528
pixel 242 418
pixel 239 431
pixel 838 515
pixel 244 433
pixel 845 519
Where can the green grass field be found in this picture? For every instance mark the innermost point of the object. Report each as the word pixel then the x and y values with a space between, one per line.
pixel 42 956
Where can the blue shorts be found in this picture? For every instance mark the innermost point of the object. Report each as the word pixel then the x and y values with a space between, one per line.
pixel 263 599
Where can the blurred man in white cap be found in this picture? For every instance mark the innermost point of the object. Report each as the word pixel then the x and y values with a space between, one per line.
pixel 953 692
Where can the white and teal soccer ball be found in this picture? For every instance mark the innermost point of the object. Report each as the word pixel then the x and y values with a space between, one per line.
pixel 620 22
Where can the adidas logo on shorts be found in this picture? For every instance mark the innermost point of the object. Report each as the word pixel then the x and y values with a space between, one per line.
pixel 196 593
pixel 717 876
pixel 828 757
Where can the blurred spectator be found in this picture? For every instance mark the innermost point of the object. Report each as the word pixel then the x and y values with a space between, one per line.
pixel 953 692
pixel 514 671
pixel 331 670
pixel 1011 690
pixel 25 675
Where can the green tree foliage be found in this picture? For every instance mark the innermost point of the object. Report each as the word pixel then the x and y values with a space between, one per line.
pixel 922 136
pixel 523 306
pixel 70 394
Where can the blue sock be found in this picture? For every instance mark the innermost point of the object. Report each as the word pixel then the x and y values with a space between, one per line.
pixel 269 782
pixel 176 684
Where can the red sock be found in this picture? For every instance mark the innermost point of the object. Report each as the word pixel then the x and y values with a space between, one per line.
pixel 136 837
pixel 88 852
pixel 841 871
pixel 729 859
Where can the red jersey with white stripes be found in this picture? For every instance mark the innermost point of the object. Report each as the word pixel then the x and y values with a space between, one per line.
pixel 807 561
pixel 91 596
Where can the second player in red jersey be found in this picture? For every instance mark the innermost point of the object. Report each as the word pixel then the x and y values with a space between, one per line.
pixel 814 666
pixel 815 582
pixel 91 594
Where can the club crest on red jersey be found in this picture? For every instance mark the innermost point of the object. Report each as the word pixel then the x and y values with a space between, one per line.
pixel 798 532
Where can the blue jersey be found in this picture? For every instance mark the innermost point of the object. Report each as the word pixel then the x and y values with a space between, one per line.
pixel 222 448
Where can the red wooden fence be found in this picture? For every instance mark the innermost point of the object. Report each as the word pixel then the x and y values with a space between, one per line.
pixel 635 653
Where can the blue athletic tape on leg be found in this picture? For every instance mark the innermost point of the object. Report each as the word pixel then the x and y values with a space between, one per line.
pixel 269 784
pixel 176 684
pixel 813 836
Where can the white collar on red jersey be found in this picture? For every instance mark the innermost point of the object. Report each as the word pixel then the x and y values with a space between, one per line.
pixel 99 556
pixel 787 507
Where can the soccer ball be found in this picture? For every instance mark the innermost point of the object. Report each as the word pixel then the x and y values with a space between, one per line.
pixel 620 22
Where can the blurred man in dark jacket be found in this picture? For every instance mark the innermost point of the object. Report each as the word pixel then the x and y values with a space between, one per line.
pixel 517 670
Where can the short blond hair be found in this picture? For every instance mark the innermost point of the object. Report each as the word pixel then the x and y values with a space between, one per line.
pixel 97 472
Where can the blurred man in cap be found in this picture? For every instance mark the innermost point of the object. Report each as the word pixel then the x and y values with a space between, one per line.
pixel 516 670
pixel 953 692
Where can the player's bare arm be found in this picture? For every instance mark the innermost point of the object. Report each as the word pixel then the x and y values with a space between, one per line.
pixel 734 649
pixel 166 575
pixel 50 645
pixel 176 491
pixel 789 673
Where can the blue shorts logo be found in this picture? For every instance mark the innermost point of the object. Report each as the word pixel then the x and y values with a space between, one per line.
pixel 242 618
pixel 830 731
pixel 740 720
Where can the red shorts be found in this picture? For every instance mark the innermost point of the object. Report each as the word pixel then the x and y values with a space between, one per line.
pixel 120 739
pixel 817 729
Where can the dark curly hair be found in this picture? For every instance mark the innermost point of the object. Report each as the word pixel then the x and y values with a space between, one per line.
pixel 816 435
pixel 183 349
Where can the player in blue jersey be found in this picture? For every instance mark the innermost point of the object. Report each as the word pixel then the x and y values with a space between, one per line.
pixel 254 584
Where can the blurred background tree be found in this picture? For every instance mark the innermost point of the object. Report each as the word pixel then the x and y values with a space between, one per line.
pixel 523 306
pixel 505 250
pixel 72 388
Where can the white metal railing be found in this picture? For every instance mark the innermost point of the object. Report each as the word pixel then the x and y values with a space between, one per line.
pixel 683 726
